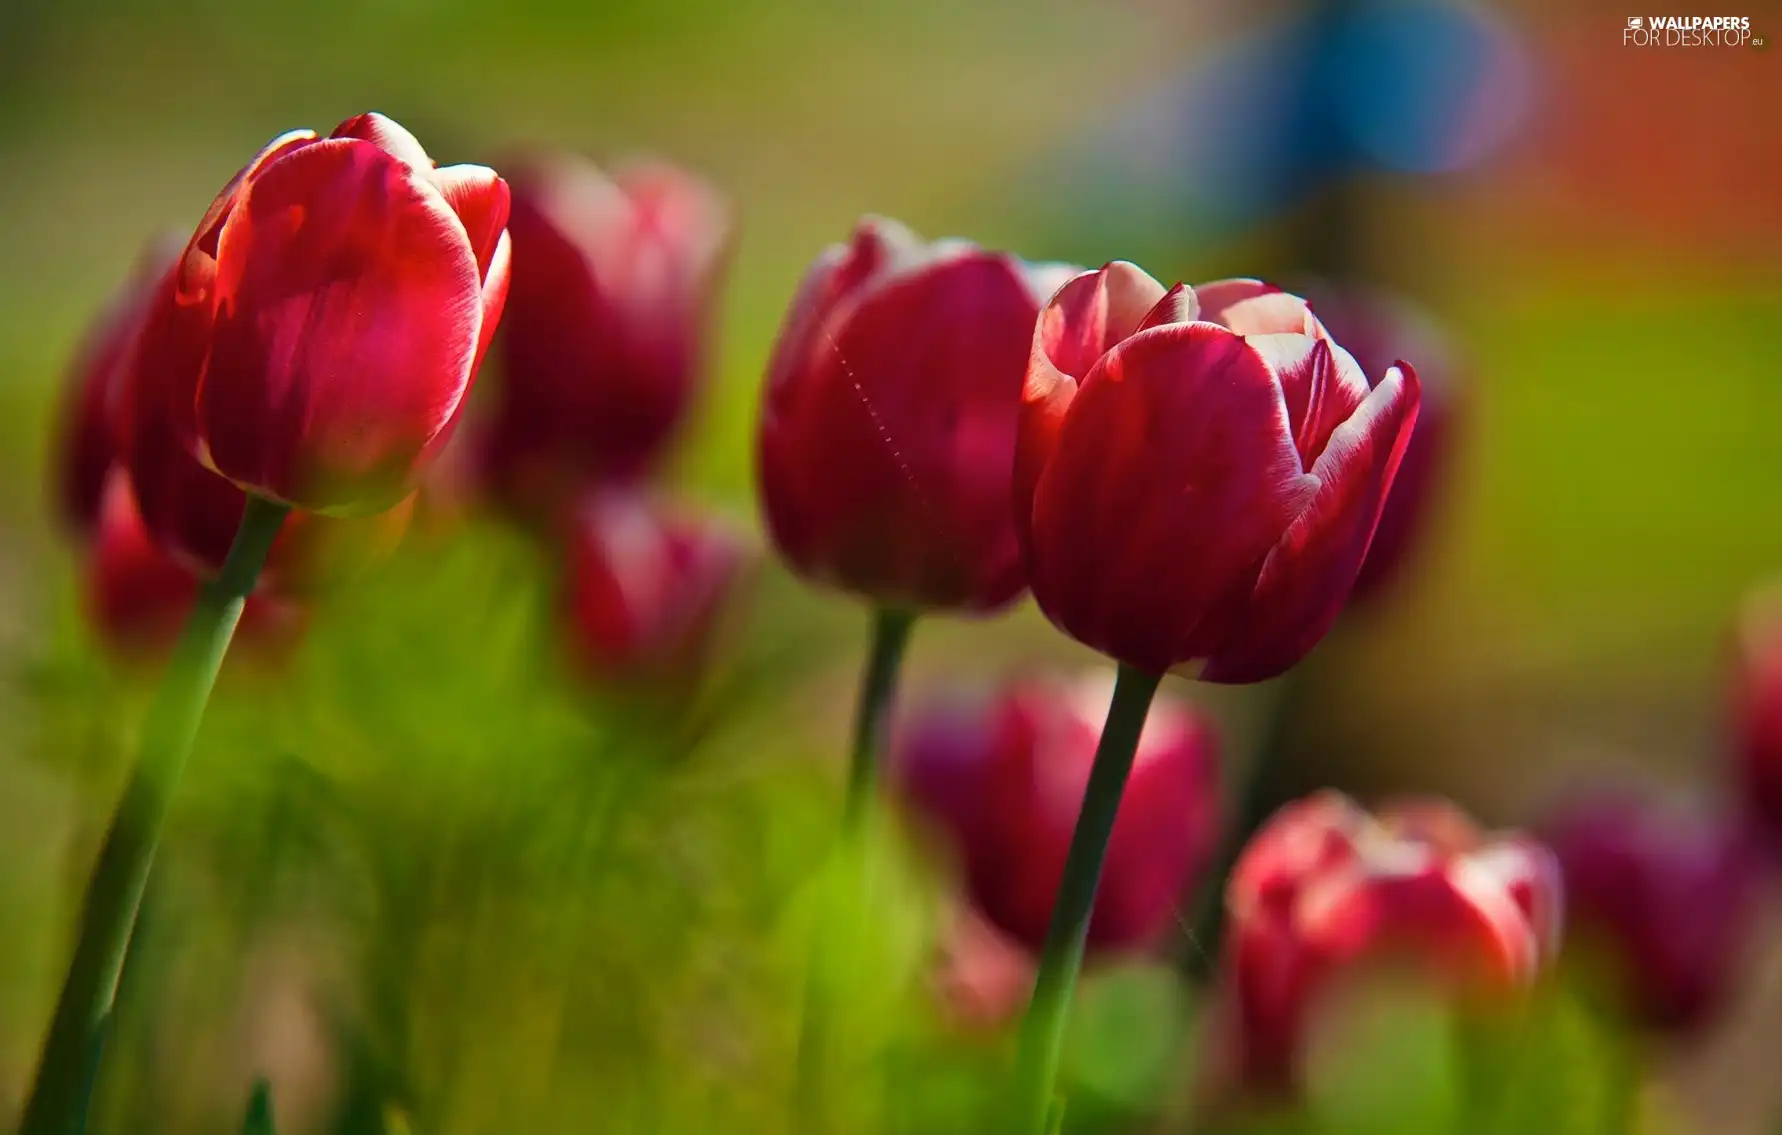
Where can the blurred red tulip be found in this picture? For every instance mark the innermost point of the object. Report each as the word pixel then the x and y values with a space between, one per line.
pixel 317 339
pixel 87 438
pixel 1757 709
pixel 1324 890
pixel 647 587
pixel 607 328
pixel 1004 783
pixel 1199 471
pixel 888 421
pixel 1379 329
pixel 138 596
pixel 1669 900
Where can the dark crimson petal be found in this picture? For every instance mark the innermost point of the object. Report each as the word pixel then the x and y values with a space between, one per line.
pixel 1307 576
pixel 1173 476
pixel 886 464
pixel 348 314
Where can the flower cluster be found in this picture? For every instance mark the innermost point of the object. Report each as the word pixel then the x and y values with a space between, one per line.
pixel 1188 480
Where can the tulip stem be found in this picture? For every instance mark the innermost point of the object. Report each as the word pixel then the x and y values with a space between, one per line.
pixel 878 688
pixel 1042 1032
pixel 836 926
pixel 69 1066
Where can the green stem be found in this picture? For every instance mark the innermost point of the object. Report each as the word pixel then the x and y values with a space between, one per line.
pixel 63 1089
pixel 872 711
pixel 1042 1033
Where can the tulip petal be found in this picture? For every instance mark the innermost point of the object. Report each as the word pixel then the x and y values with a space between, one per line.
pixel 480 199
pixel 1321 383
pixel 1093 312
pixel 348 314
pixel 198 265
pixel 1177 453
pixel 387 135
pixel 1307 576
pixel 1178 305
pixel 1251 307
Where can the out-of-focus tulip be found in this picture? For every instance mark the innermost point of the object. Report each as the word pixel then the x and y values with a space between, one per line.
pixel 87 439
pixel 1379 329
pixel 888 421
pixel 1326 891
pixel 317 339
pixel 1005 782
pixel 647 587
pixel 607 329
pixel 1757 709
pixel 1199 471
pixel 138 596
pixel 1666 900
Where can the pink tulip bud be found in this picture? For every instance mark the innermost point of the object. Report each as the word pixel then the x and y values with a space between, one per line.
pixel 1324 891
pixel 1667 900
pixel 1004 780
pixel 608 326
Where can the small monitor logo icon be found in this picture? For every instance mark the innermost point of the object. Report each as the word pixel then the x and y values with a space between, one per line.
pixel 1634 23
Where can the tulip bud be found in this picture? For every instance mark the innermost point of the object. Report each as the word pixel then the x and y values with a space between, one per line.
pixel 1667 900
pixel 888 420
pixel 1004 784
pixel 317 339
pixel 1324 892
pixel 606 334
pixel 87 443
pixel 1379 329
pixel 648 588
pixel 1199 471
pixel 138 596
pixel 1757 710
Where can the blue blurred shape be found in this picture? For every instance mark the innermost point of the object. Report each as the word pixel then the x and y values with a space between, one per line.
pixel 1407 86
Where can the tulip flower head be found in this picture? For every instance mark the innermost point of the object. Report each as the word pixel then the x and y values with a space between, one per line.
pixel 1004 782
pixel 317 338
pixel 608 325
pixel 888 420
pixel 648 588
pixel 1668 901
pixel 1325 890
pixel 1200 471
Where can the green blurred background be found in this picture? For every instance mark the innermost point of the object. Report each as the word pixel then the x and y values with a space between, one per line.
pixel 373 880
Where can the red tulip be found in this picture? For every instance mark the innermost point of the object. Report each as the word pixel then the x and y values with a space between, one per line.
pixel 138 597
pixel 1005 783
pixel 647 587
pixel 1199 471
pixel 1378 329
pixel 888 422
pixel 1324 890
pixel 1757 710
pixel 317 340
pixel 607 326
pixel 1668 900
pixel 87 445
